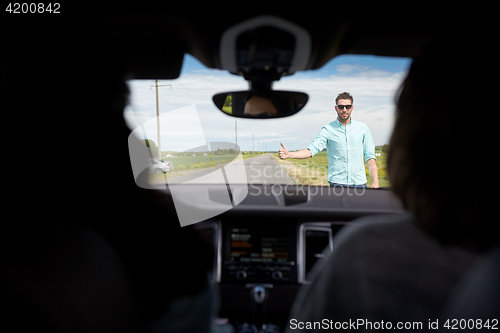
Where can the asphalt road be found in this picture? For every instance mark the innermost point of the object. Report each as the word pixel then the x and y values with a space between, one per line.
pixel 261 169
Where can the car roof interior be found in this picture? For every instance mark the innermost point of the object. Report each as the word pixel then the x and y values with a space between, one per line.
pixel 150 43
pixel 147 37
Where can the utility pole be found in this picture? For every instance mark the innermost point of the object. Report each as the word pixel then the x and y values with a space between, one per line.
pixel 158 121
pixel 158 116
pixel 253 146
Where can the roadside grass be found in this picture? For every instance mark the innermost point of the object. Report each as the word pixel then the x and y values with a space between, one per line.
pixel 185 165
pixel 245 156
pixel 314 170
pixel 199 162
pixel 202 162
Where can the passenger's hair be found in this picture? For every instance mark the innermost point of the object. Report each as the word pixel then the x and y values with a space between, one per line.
pixel 344 95
pixel 73 129
pixel 440 159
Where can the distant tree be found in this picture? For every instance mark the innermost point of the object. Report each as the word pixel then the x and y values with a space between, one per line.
pixel 385 148
pixel 229 100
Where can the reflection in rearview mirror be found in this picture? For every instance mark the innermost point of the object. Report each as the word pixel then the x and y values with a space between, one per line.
pixel 260 103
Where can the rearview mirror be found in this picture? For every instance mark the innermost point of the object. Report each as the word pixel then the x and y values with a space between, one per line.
pixel 260 103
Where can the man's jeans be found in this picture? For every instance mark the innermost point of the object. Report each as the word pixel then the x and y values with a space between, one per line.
pixel 346 185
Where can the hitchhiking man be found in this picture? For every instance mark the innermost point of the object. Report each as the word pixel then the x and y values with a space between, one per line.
pixel 346 141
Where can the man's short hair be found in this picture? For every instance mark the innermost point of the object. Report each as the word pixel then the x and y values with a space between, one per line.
pixel 344 95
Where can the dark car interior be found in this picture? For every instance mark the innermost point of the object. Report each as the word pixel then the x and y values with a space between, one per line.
pixel 85 249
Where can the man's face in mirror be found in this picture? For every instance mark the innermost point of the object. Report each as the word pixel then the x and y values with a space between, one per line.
pixel 258 105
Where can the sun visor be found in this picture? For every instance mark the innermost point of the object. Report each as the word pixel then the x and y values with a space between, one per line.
pixel 145 59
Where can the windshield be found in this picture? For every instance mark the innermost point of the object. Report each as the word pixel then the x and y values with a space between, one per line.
pixel 194 139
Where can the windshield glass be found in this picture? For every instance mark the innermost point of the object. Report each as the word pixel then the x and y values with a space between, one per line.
pixel 196 139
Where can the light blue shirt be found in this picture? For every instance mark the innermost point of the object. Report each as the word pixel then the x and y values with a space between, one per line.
pixel 345 148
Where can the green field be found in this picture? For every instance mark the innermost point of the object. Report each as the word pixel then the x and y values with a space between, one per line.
pixel 184 165
pixel 201 162
pixel 198 162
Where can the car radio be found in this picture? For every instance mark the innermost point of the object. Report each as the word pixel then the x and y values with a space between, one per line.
pixel 257 253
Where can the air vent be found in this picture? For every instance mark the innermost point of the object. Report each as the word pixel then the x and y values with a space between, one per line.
pixel 314 239
pixel 210 231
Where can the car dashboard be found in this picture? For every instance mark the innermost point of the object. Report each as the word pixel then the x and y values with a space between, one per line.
pixel 265 248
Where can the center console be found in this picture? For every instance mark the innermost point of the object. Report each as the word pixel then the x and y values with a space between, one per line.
pixel 258 253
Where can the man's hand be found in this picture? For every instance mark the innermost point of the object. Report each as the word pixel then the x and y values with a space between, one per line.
pixel 299 154
pixel 284 154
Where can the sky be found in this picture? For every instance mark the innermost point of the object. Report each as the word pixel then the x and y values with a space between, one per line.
pixel 188 117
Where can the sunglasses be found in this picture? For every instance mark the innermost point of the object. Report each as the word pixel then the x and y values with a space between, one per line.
pixel 347 107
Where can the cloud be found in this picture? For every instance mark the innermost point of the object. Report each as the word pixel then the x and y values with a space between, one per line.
pixel 346 68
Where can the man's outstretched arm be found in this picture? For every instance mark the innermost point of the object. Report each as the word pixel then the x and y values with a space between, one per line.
pixel 299 154
pixel 372 167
